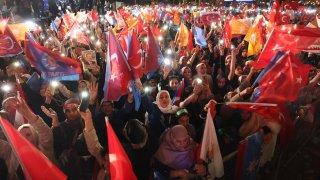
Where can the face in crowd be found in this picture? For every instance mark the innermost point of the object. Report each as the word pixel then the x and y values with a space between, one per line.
pixel 164 99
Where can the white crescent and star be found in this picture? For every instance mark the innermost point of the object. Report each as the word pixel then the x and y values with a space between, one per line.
pixel 5 39
pixel 140 64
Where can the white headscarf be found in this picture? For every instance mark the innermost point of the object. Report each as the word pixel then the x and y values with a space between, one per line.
pixel 169 109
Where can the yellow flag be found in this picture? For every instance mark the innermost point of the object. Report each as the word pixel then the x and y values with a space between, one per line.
pixel 240 26
pixel 254 38
pixel 183 35
pixel 176 18
pixel 130 21
pixel 18 30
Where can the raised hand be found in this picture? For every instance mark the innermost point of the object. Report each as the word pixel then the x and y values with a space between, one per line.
pixel 52 114
pixel 93 92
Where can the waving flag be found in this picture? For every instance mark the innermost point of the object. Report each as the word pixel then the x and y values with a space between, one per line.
pixel 178 95
pixel 34 164
pixel 248 157
pixel 68 19
pixel 209 17
pixel 53 26
pixel 291 37
pixel 199 37
pixel 8 44
pixel 76 33
pixel 135 56
pixel 239 26
pixel 183 35
pixel 210 150
pixel 120 165
pixel 283 80
pixel 93 15
pixel 255 36
pixel 118 72
pixel 154 57
pixel 52 65
pixel 19 30
pixel 265 109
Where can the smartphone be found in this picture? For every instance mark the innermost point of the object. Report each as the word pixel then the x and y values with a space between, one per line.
pixel 84 101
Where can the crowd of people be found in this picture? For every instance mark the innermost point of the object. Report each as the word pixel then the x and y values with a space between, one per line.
pixel 160 138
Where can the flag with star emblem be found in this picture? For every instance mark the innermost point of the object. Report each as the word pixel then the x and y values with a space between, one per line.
pixel 209 17
pixel 248 157
pixel 199 37
pixel 284 79
pixel 295 38
pixel 268 110
pixel 118 71
pixel 120 165
pixel 9 45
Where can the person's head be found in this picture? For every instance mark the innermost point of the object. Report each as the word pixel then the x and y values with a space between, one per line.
pixel 221 81
pixel 174 82
pixel 29 133
pixel 180 137
pixel 229 95
pixel 70 109
pixel 83 85
pixel 136 133
pixel 163 99
pixel 244 53
pixel 183 116
pixel 228 60
pixel 183 61
pixel 186 72
pixel 238 70
pixel 201 69
pixel 107 107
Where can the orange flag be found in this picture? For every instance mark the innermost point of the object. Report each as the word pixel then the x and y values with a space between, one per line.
pixel 183 35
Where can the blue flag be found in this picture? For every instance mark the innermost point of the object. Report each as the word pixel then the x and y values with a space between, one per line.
pixel 137 96
pixel 52 66
pixel 273 61
pixel 199 37
pixel 248 158
pixel 53 26
pixel 34 82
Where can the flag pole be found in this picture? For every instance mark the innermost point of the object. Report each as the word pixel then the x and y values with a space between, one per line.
pixel 25 172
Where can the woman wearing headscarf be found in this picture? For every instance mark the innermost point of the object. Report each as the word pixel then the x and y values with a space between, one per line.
pixel 175 156
pixel 201 69
pixel 161 115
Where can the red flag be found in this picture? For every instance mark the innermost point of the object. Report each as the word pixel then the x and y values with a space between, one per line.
pixel 34 164
pixel 9 45
pixel 266 109
pixel 177 97
pixel 93 15
pixel 289 37
pixel 134 56
pixel 120 165
pixel 290 5
pixel 190 45
pixel 154 56
pixel 62 29
pixel 284 80
pixel 76 33
pixel 274 14
pixel 118 72
pixel 123 41
pixel 209 17
pixel 227 36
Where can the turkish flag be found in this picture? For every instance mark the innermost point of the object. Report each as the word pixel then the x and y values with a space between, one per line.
pixel 135 56
pixel 290 5
pixel 8 44
pixel 76 33
pixel 34 164
pixel 118 72
pixel 120 165
pixel 284 80
pixel 267 110
pixel 154 56
pixel 178 95
pixel 209 17
pixel 289 37
pixel 93 15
